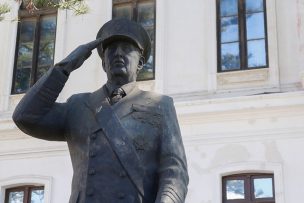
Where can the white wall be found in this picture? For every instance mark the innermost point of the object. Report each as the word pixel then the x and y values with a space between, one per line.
pixel 291 39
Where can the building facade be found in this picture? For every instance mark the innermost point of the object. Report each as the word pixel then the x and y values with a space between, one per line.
pixel 234 68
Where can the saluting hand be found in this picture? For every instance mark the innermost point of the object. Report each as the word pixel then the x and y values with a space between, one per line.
pixel 77 57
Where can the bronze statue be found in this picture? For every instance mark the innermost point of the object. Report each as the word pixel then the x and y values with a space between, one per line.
pixel 125 144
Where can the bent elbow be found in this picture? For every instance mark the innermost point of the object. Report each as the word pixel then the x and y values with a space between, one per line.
pixel 22 122
pixel 18 118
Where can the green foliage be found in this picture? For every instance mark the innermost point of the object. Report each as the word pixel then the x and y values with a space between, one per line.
pixel 4 8
pixel 41 3
pixel 79 7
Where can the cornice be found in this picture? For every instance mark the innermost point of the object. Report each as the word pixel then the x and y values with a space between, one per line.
pixel 34 152
pixel 240 103
pixel 261 135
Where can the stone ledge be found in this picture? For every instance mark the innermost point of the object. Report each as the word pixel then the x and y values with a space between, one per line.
pixel 244 78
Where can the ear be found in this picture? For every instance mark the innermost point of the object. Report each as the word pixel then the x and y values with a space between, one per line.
pixel 103 64
pixel 141 63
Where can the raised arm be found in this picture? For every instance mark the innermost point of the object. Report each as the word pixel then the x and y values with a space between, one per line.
pixel 173 175
pixel 37 114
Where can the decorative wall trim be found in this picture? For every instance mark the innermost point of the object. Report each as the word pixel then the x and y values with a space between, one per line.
pixel 34 152
pixel 160 46
pixel 243 136
pixel 16 181
pixel 257 77
pixel 8 55
pixel 252 102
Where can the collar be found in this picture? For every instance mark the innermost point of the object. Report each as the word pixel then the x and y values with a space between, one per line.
pixel 127 88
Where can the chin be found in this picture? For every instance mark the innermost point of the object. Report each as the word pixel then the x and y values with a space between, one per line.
pixel 119 71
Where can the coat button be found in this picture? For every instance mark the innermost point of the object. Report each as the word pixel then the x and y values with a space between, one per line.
pixel 120 143
pixel 92 154
pixel 122 174
pixel 93 136
pixel 92 171
pixel 90 192
pixel 121 195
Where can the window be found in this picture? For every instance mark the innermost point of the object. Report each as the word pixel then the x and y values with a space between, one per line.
pixel 143 12
pixel 242 35
pixel 34 48
pixel 248 188
pixel 25 194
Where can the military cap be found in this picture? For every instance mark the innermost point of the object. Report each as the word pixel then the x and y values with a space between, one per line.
pixel 124 29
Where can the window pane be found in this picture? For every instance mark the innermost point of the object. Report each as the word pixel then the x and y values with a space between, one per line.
pixel 147 72
pixel 263 188
pixel 150 33
pixel 146 14
pixel 37 196
pixel 256 53
pixel 123 11
pixel 230 56
pixel 22 79
pixel 229 29
pixel 146 19
pixel 235 189
pixel 255 26
pixel 25 55
pixel 16 197
pixel 254 5
pixel 46 45
pixel 229 7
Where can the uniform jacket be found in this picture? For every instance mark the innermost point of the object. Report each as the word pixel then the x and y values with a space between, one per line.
pixel 129 152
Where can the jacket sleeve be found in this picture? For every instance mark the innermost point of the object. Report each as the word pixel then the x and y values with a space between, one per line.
pixel 37 114
pixel 173 175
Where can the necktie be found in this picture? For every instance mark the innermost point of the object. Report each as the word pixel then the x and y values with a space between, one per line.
pixel 116 95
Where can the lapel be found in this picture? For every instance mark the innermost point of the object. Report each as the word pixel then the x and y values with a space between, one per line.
pixel 121 108
pixel 107 119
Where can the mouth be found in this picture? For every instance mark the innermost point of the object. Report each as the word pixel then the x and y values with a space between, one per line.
pixel 118 62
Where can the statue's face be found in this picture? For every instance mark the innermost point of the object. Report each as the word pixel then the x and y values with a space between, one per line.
pixel 121 61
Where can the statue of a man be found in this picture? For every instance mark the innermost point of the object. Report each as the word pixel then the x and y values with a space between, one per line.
pixel 125 144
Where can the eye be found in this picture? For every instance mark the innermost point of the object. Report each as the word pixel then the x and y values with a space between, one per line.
pixel 110 49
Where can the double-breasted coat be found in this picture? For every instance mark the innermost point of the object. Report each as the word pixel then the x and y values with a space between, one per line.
pixel 129 152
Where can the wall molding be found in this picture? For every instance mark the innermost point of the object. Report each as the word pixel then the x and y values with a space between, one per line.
pixel 34 152
pixel 250 102
pixel 243 136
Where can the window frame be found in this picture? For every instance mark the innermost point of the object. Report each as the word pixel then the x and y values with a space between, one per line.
pixel 242 34
pixel 248 188
pixel 25 188
pixel 134 17
pixel 37 14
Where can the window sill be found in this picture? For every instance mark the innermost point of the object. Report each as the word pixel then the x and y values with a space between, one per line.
pixel 14 99
pixel 242 79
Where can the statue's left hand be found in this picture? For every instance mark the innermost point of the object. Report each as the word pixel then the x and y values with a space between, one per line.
pixel 77 57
